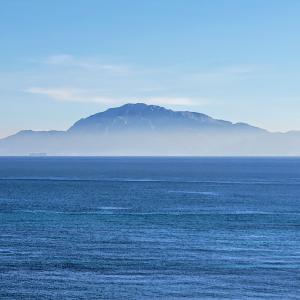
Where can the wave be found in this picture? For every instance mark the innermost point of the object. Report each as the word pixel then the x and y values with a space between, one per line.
pixel 217 182
pixel 112 208
pixel 180 212
pixel 206 193
pixel 100 210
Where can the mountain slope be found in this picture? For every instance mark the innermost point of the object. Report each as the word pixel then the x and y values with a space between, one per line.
pixel 141 117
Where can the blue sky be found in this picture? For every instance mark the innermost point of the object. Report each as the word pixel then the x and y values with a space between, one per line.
pixel 62 60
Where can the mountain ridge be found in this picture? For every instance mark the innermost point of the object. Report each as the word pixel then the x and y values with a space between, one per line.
pixel 140 116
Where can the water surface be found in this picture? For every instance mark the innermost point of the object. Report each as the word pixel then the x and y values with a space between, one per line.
pixel 149 228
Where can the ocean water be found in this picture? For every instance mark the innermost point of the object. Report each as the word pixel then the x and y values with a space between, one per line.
pixel 149 228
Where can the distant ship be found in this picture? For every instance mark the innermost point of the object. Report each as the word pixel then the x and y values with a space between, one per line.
pixel 38 154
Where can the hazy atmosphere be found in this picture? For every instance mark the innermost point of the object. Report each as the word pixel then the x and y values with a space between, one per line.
pixel 65 60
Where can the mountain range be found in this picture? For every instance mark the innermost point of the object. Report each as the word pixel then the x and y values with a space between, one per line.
pixel 140 129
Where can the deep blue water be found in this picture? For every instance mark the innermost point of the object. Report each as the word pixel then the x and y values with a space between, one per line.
pixel 149 228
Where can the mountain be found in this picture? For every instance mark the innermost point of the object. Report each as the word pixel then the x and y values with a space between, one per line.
pixel 140 129
pixel 151 118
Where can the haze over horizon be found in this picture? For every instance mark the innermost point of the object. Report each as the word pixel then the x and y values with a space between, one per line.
pixel 142 109
pixel 64 60
pixel 150 130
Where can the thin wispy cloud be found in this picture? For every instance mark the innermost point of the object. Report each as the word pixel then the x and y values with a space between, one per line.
pixel 223 75
pixel 94 64
pixel 86 63
pixel 79 95
pixel 91 80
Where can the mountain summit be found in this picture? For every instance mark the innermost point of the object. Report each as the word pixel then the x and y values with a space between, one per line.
pixel 142 117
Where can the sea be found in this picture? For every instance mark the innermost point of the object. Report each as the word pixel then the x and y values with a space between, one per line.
pixel 149 228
